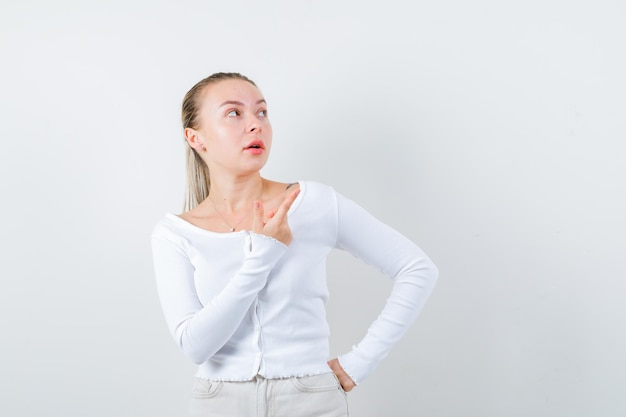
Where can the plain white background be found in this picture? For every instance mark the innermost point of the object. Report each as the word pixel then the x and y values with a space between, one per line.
pixel 491 133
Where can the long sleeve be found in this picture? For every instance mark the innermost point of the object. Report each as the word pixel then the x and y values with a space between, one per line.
pixel 201 330
pixel 413 274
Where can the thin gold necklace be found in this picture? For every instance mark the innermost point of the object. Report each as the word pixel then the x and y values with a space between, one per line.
pixel 233 228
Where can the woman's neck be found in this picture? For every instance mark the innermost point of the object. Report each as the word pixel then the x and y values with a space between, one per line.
pixel 234 195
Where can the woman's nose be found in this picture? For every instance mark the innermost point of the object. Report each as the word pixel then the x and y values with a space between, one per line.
pixel 254 125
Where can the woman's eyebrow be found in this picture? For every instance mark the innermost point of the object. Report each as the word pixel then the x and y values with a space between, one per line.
pixel 239 103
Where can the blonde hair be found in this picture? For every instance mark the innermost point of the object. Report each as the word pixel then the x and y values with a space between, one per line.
pixel 198 180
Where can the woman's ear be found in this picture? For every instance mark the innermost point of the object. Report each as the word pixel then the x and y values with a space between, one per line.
pixel 194 140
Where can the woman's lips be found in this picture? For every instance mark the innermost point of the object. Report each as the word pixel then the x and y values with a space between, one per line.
pixel 256 147
pixel 255 151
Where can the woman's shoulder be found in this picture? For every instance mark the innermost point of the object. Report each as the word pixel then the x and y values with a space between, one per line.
pixel 306 187
pixel 313 189
pixel 313 185
pixel 168 226
pixel 178 229
pixel 316 195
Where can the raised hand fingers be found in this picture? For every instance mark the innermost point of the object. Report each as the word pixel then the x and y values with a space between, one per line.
pixel 284 207
pixel 277 225
pixel 257 221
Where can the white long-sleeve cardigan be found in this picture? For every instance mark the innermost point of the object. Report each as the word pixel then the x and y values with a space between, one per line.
pixel 241 304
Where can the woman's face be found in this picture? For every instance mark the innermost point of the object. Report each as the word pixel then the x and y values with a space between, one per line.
pixel 234 127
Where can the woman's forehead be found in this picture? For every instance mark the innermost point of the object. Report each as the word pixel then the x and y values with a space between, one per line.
pixel 231 90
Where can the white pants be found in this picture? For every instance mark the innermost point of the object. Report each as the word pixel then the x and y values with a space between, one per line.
pixel 309 396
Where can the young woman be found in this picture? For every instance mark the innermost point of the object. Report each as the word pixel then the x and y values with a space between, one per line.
pixel 241 273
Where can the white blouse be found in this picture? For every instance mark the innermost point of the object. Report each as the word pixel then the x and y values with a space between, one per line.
pixel 241 304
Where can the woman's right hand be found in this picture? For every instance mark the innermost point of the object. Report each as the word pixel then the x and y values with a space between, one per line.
pixel 275 224
pixel 347 383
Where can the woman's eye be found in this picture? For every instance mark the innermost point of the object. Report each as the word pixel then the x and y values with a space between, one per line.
pixel 232 113
pixel 263 113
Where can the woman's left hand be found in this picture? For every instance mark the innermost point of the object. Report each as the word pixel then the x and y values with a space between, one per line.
pixel 277 225
pixel 344 379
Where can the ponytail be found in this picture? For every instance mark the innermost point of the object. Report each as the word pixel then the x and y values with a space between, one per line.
pixel 198 180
